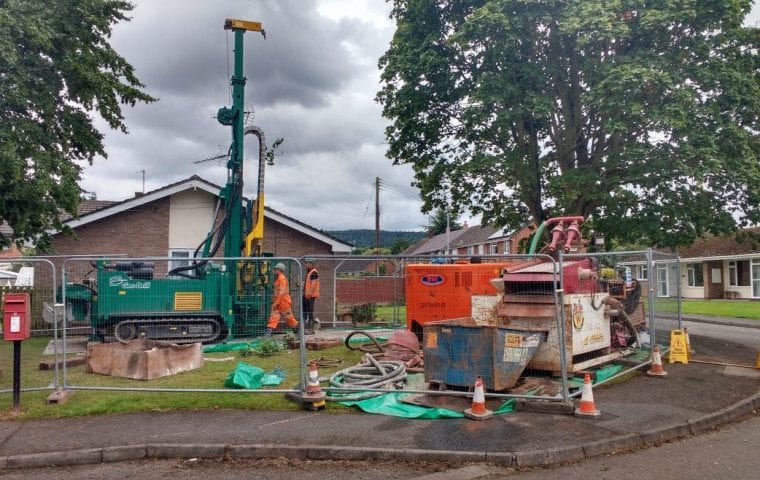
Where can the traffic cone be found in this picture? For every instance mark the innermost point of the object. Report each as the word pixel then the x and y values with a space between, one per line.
pixel 586 407
pixel 313 398
pixel 478 411
pixel 689 351
pixel 312 387
pixel 657 370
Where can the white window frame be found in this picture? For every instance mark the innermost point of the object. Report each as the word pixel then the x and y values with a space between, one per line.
pixel 183 256
pixel 755 277
pixel 663 285
pixel 691 275
pixel 471 250
pixel 494 249
pixel 641 272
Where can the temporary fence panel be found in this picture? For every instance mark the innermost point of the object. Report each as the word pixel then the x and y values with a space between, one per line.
pixel 40 355
pixel 368 292
pixel 665 293
pixel 152 318
pixel 624 294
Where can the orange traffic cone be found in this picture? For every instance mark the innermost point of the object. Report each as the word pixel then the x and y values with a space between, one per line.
pixel 657 370
pixel 478 411
pixel 586 407
pixel 689 351
pixel 313 398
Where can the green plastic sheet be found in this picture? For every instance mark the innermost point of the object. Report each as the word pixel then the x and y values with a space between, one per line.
pixel 229 347
pixel 249 377
pixel 607 371
pixel 391 404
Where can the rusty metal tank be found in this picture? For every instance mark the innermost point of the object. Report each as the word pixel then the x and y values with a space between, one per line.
pixel 457 351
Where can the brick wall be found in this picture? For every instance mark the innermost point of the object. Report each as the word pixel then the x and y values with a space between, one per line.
pixel 515 240
pixel 357 291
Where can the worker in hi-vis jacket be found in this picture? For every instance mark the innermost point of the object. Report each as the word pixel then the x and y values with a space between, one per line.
pixel 281 302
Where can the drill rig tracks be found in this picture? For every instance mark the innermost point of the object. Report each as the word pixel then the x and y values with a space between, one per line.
pixel 175 329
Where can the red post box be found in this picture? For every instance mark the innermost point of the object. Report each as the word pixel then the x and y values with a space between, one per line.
pixel 16 316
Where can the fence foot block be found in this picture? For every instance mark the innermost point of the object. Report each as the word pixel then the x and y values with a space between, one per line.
pixel 60 397
pixel 71 362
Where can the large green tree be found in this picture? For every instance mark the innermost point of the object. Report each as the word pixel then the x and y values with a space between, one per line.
pixel 641 115
pixel 56 67
pixel 440 220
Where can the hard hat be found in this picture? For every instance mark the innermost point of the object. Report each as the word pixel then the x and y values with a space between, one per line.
pixel 280 267
pixel 309 260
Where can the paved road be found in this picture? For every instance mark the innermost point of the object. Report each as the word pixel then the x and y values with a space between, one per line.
pixel 749 337
pixel 730 453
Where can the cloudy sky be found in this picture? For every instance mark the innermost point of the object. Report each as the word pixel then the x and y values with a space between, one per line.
pixel 312 82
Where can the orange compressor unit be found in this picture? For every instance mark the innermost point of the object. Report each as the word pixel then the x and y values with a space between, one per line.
pixel 443 291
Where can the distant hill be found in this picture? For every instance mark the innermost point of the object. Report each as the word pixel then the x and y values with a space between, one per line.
pixel 364 238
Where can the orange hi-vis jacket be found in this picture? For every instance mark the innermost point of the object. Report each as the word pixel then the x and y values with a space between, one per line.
pixel 281 295
pixel 311 286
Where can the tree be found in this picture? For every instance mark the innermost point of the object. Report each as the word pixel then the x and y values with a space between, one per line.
pixel 400 245
pixel 440 221
pixel 56 67
pixel 640 115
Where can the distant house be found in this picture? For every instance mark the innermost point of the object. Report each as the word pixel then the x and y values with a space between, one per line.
pixel 477 240
pixel 713 267
pixel 7 278
pixel 721 267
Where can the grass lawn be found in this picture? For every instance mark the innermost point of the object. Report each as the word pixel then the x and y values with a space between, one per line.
pixel 717 308
pixel 211 376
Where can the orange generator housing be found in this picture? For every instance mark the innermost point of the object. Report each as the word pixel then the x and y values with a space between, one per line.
pixel 443 291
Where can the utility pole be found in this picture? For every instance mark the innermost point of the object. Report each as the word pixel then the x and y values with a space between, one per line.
pixel 143 180
pixel 377 214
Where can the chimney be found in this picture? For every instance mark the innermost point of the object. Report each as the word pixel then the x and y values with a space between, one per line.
pixel 139 194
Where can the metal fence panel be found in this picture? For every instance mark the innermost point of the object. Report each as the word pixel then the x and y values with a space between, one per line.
pixel 146 318
pixel 40 355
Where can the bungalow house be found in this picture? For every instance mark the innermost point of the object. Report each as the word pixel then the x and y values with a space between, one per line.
pixel 172 221
pixel 726 266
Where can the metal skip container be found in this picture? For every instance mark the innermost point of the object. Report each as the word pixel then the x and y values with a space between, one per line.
pixel 457 351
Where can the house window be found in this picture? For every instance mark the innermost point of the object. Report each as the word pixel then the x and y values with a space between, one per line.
pixel 471 250
pixel 183 258
pixel 494 248
pixel 641 272
pixel 694 275
pixel 755 277
pixel 738 273
pixel 507 249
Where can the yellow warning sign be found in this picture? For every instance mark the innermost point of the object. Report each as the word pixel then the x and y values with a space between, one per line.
pixel 679 352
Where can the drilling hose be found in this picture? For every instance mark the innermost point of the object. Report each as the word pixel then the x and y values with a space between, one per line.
pixel 380 376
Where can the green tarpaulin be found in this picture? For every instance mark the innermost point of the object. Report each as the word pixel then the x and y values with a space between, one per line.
pixel 250 377
pixel 391 404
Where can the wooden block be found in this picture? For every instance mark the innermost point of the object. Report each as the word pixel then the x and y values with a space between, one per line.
pixel 143 359
pixel 71 362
